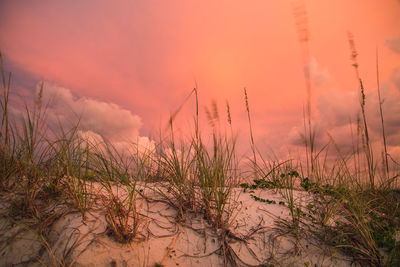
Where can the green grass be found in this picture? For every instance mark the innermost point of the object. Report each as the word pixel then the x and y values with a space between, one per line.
pixel 73 165
pixel 213 170
pixel 179 180
pixel 119 177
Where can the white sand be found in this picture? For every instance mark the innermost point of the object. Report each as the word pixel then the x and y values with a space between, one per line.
pixel 73 240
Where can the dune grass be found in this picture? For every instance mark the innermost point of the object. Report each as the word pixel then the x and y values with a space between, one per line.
pixel 352 210
pixel 179 180
pixel 199 176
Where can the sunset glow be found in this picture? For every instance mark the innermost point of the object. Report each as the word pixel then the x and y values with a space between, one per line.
pixel 200 133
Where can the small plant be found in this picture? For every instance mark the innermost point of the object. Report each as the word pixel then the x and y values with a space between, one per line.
pixel 261 183
pixel 32 153
pixel 120 223
pixel 270 173
pixel 245 185
pixel 216 183
pixel 307 185
pixel 263 200
pixel 296 213
pixel 74 166
pixel 116 170
pixel 179 179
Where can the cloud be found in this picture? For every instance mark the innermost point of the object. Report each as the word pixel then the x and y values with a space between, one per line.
pixel 97 121
pixel 142 145
pixel 391 113
pixel 331 107
pixel 335 113
pixel 395 78
pixel 394 45
pixel 319 75
pixel 105 119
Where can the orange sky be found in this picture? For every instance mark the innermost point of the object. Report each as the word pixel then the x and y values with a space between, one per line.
pixel 145 56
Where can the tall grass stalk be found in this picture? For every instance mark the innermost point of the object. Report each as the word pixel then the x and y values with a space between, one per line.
pixel 178 164
pixel 355 150
pixel 4 103
pixel 301 19
pixel 233 137
pixel 196 119
pixel 366 140
pixel 7 137
pixel 253 147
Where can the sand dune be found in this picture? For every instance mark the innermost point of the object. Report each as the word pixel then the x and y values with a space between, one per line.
pixel 255 236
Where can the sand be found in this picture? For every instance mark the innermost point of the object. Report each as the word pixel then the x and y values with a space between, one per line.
pixel 254 236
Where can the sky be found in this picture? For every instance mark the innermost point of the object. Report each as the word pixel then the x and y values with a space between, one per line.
pixel 128 64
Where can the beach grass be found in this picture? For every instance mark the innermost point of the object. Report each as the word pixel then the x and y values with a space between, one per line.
pixel 353 204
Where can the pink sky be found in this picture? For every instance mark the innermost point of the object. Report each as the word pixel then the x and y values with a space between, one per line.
pixel 145 56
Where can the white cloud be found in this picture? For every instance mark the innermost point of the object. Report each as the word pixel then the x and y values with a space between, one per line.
pixel 107 120
pixel 90 137
pixel 335 113
pixel 318 74
pixel 98 122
